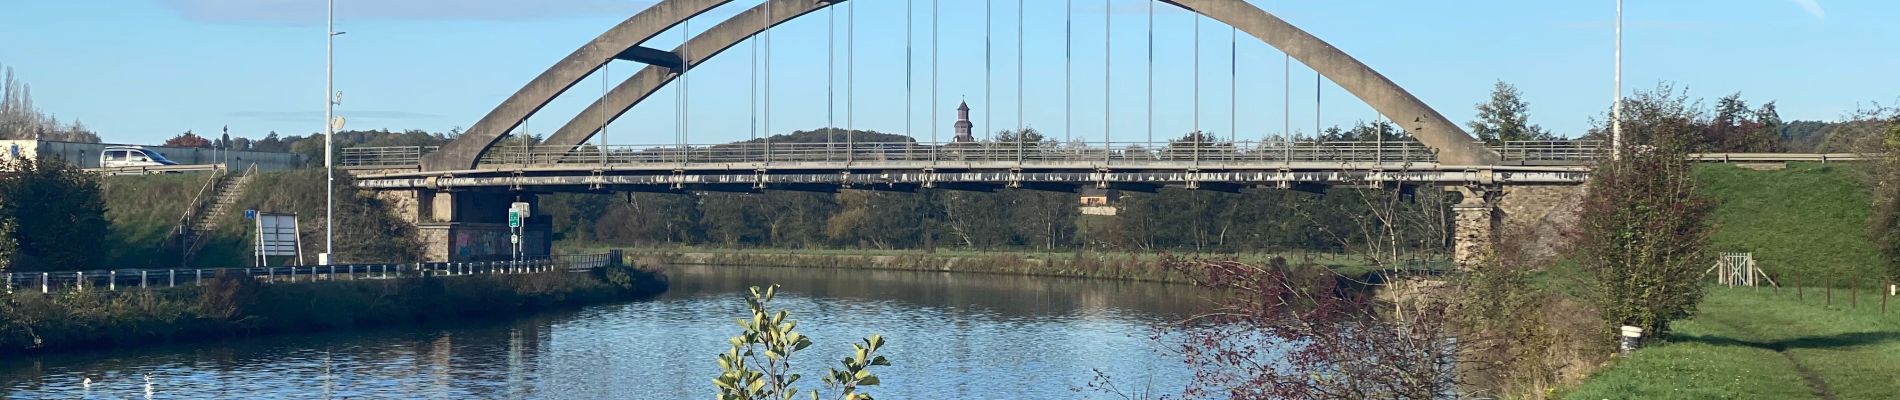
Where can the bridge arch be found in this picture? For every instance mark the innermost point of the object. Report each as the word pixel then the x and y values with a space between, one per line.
pixel 563 75
pixel 1395 103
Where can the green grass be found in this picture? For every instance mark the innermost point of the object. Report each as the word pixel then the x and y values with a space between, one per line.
pixel 1755 344
pixel 1807 223
pixel 144 210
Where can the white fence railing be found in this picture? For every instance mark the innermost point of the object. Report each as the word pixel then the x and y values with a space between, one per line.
pixel 126 279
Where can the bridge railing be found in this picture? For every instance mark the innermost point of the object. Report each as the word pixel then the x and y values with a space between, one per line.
pixel 1552 150
pixel 760 153
pixel 377 157
pixel 958 152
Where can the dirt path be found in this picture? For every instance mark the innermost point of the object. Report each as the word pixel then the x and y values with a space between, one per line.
pixel 1815 383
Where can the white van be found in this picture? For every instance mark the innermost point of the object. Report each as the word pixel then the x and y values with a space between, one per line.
pixel 131 156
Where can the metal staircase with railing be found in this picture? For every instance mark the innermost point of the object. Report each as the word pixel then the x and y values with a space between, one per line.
pixel 195 227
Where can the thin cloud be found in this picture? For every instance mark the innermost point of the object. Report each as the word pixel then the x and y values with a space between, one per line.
pixel 1812 7
pixel 302 12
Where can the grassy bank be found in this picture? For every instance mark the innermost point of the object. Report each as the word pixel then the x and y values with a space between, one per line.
pixel 1096 265
pixel 236 307
pixel 1809 221
pixel 143 211
pixel 1756 344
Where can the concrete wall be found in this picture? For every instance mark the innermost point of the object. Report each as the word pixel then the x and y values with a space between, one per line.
pixel 86 155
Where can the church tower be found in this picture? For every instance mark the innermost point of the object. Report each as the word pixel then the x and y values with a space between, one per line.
pixel 964 125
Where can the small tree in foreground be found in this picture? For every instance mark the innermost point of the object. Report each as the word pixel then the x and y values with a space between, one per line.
pixel 758 367
pixel 1646 240
pixel 1298 333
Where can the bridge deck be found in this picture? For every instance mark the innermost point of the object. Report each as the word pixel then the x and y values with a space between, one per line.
pixel 987 165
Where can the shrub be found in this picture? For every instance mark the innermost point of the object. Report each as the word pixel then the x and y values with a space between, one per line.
pixel 1646 242
pixel 758 366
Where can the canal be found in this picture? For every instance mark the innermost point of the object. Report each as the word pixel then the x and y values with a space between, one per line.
pixel 962 336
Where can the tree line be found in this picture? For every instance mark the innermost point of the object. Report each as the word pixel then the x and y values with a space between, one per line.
pixel 20 119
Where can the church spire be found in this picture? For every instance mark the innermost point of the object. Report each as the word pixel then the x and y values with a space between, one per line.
pixel 964 125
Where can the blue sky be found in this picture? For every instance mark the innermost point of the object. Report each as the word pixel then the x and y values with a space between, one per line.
pixel 139 71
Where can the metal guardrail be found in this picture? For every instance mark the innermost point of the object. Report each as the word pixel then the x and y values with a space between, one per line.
pixel 375 157
pixel 1783 157
pixel 156 169
pixel 1026 152
pixel 113 280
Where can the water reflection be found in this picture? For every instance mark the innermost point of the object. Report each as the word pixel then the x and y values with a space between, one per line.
pixel 951 336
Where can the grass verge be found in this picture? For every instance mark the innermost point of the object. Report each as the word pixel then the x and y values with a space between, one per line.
pixel 1756 344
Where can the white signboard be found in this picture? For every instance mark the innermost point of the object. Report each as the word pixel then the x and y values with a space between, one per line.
pixel 276 234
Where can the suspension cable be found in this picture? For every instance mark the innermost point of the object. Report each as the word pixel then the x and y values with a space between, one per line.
pixel 989 11
pixel 1286 100
pixel 850 79
pixel 936 22
pixel 686 82
pixel 1019 78
pixel 1233 84
pixel 831 77
pixel 1068 75
pixel 606 72
pixel 1151 73
pixel 910 76
pixel 766 25
pixel 754 78
pixel 1108 74
pixel 1197 79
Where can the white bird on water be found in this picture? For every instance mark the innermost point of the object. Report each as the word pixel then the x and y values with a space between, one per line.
pixel 86 383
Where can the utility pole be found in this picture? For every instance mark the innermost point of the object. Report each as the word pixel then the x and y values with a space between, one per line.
pixel 329 135
pixel 1616 110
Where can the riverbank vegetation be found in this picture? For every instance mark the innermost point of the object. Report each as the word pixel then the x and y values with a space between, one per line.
pixel 1130 266
pixel 52 216
pixel 233 306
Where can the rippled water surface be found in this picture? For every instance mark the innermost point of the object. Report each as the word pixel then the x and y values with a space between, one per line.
pixel 951 336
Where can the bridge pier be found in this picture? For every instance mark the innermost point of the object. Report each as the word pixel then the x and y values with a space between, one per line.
pixel 1475 228
pixel 1534 218
pixel 470 225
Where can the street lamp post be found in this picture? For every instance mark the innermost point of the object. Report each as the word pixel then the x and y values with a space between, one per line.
pixel 1616 109
pixel 329 133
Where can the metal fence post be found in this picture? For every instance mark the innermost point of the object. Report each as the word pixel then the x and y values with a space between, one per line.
pixel 79 280
pixel 112 281
pixel 46 283
pixel 142 279
pixel 200 280
pixel 171 278
pixel 270 275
